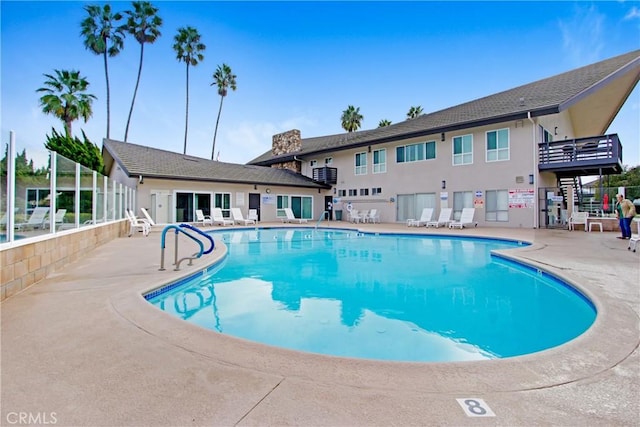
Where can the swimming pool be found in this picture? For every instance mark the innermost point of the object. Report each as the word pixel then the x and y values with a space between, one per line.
pixel 385 297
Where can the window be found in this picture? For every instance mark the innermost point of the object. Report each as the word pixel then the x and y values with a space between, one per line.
pixel 497 205
pixel 328 160
pixel 364 191
pixel 353 192
pixel 376 190
pixel 461 200
pixel 380 161
pixel 416 152
pixel 409 206
pixel 361 163
pixel 463 150
pixel 302 206
pixel 498 145
pixel 546 135
pixel 313 163
pixel 223 201
pixel 342 193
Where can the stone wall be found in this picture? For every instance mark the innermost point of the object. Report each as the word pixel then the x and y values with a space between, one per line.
pixel 287 143
pixel 28 263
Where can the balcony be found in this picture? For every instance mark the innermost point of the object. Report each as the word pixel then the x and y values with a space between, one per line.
pixel 580 157
pixel 326 175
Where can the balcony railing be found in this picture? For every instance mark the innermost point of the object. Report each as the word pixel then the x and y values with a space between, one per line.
pixel 325 175
pixel 583 156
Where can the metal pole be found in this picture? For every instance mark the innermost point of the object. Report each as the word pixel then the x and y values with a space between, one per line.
pixel 11 186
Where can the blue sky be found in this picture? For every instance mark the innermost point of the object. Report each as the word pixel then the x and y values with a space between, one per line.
pixel 300 64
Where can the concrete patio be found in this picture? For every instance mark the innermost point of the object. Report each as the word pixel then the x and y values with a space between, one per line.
pixel 83 348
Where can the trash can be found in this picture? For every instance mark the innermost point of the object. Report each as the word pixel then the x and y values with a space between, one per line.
pixel 338 215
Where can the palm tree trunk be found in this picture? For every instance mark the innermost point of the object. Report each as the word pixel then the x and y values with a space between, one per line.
pixel 213 149
pixel 186 116
pixel 106 75
pixel 135 91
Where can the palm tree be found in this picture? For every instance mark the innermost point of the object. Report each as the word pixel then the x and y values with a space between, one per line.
pixel 414 112
pixel 103 37
pixel 65 97
pixel 144 24
pixel 384 123
pixel 188 50
pixel 351 119
pixel 224 79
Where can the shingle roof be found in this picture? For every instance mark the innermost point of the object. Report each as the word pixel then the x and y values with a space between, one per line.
pixel 154 163
pixel 546 96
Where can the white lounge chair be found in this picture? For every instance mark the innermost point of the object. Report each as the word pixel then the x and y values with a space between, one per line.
pixel 203 219
pixel 137 224
pixel 373 216
pixel 36 220
pixel 355 216
pixel 635 238
pixel 466 218
pixel 291 217
pixel 147 217
pixel 253 214
pixel 425 217
pixel 578 218
pixel 443 219
pixel 218 218
pixel 236 213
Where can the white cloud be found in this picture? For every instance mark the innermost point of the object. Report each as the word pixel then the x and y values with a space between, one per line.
pixel 634 13
pixel 582 35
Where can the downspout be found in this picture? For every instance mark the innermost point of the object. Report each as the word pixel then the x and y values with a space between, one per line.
pixel 534 171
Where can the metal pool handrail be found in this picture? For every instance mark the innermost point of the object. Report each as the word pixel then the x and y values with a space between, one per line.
pixel 191 227
pixel 178 262
pixel 322 216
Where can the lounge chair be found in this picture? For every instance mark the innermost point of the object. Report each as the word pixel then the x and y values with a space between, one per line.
pixel 443 219
pixel 204 219
pixel 147 217
pixel 59 219
pixel 578 218
pixel 466 218
pixel 253 214
pixel 635 238
pixel 355 216
pixel 218 218
pixel 425 217
pixel 291 217
pixel 373 216
pixel 236 213
pixel 36 220
pixel 137 224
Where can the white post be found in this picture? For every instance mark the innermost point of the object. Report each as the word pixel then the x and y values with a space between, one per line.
pixel 11 186
pixel 94 197
pixel 53 187
pixel 77 198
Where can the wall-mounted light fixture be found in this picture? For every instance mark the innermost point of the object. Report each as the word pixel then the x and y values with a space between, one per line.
pixel 255 186
pixel 442 136
pixel 268 190
pixel 555 130
pixel 444 184
pixel 369 148
pixel 334 190
pixel 531 179
pixel 140 179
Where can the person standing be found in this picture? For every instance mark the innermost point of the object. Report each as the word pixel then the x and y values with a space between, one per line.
pixel 625 211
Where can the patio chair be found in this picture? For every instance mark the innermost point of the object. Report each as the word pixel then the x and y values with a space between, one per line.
pixel 137 224
pixel 633 241
pixel 236 213
pixel 578 218
pixel 204 219
pixel 58 219
pixel 425 217
pixel 291 217
pixel 147 217
pixel 355 216
pixel 373 216
pixel 36 220
pixel 218 218
pixel 253 214
pixel 443 219
pixel 466 218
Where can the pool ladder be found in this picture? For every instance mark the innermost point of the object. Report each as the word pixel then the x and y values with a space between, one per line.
pixel 322 216
pixel 182 228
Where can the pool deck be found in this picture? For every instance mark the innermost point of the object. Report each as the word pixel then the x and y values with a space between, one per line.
pixel 83 348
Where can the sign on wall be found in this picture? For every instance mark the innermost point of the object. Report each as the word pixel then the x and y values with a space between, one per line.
pixel 521 198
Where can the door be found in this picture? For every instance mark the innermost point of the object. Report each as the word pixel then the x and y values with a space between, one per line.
pixel 254 202
pixel 328 207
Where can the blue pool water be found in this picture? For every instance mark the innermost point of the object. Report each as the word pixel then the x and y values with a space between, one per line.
pixel 3 237
pixel 386 297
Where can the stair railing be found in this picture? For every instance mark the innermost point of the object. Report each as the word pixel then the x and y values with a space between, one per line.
pixel 177 262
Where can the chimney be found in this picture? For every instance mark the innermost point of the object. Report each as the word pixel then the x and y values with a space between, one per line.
pixel 287 143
